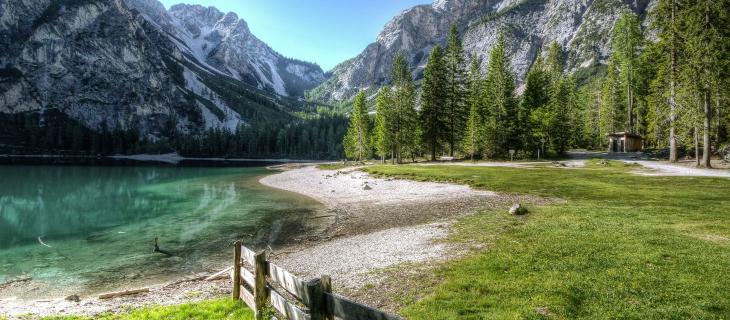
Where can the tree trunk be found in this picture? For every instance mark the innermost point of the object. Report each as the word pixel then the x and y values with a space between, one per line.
pixel 697 146
pixel 718 116
pixel 706 132
pixel 672 97
pixel 706 105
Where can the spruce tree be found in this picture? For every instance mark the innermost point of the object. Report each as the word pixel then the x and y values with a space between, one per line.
pixel 357 139
pixel 562 107
pixel 474 123
pixel 612 111
pixel 383 133
pixel 456 88
pixel 627 40
pixel 663 107
pixel 555 63
pixel 533 108
pixel 707 45
pixel 502 130
pixel 433 97
pixel 405 117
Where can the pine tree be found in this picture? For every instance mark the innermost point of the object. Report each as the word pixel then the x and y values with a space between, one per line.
pixel 708 37
pixel 456 88
pixel 405 117
pixel 383 133
pixel 502 130
pixel 562 116
pixel 474 123
pixel 533 109
pixel 357 139
pixel 627 39
pixel 562 106
pixel 612 111
pixel 433 97
pixel 555 63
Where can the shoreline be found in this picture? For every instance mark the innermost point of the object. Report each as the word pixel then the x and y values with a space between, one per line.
pixel 362 230
pixel 168 158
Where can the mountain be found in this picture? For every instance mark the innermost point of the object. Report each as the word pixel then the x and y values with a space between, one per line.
pixel 131 64
pixel 581 27
pixel 224 42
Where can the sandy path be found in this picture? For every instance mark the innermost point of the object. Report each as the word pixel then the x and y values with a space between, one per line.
pixel 667 169
pixel 347 187
pixel 351 260
pixel 653 168
pixel 391 221
pixel 533 164
pixel 166 294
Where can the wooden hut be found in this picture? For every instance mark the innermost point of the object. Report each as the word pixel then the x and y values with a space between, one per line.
pixel 624 142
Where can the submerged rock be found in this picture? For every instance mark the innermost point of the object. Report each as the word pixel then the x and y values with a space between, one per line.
pixel 73 298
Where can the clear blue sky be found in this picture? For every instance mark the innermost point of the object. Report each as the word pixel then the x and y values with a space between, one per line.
pixel 323 31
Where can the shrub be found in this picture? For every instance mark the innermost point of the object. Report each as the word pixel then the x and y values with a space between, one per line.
pixel 724 152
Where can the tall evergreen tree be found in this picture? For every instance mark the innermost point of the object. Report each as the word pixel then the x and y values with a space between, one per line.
pixel 627 40
pixel 383 132
pixel 706 45
pixel 356 142
pixel 456 88
pixel 533 108
pixel 612 111
pixel 405 117
pixel 474 123
pixel 555 63
pixel 433 100
pixel 563 108
pixel 502 130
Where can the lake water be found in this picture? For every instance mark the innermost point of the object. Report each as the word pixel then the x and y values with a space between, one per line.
pixel 98 224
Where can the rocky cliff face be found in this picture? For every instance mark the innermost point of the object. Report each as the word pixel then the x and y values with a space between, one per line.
pixel 119 64
pixel 581 27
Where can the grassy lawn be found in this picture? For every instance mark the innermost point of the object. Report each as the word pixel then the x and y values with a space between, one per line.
pixel 620 246
pixel 224 308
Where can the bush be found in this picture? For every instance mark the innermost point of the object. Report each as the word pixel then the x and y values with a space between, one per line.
pixel 724 152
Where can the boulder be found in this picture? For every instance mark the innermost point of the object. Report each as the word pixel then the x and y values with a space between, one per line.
pixel 517 209
pixel 367 187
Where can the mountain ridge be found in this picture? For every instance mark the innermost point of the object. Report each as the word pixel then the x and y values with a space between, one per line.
pixel 582 28
pixel 130 65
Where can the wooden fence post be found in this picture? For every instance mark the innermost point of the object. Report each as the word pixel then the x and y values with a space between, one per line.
pixel 261 294
pixel 317 307
pixel 326 284
pixel 237 270
pixel 317 301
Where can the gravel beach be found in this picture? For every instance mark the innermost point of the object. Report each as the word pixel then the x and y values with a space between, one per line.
pixel 368 224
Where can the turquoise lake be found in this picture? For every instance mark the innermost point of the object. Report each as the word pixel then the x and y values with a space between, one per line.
pixel 87 229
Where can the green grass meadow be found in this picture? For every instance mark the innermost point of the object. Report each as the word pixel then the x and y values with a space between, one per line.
pixel 615 246
pixel 223 308
pixel 609 245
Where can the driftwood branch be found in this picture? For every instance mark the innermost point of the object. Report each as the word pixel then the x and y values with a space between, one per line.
pixel 43 243
pixel 16 280
pixel 123 293
pixel 219 275
pixel 157 249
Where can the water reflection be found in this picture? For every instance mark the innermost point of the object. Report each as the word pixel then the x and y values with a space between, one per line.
pixel 98 222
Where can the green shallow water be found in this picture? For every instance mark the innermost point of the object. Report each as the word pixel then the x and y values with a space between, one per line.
pixel 100 223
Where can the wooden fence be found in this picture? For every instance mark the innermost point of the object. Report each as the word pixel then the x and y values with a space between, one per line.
pixel 291 297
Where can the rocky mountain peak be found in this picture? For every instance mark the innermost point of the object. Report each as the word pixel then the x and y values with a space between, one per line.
pixel 132 64
pixel 581 27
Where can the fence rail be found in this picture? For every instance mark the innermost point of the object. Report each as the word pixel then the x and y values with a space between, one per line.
pixel 297 299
